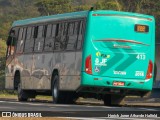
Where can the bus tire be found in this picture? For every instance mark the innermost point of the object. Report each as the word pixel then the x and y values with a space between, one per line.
pixel 117 100
pixel 16 80
pixel 107 100
pixel 22 95
pixel 70 97
pixel 57 95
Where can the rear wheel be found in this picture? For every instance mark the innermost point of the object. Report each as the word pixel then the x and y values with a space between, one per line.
pixel 57 95
pixel 113 100
pixel 22 95
pixel 70 97
pixel 107 100
pixel 61 97
pixel 117 100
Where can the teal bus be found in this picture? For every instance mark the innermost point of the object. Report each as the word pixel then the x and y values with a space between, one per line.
pixel 100 54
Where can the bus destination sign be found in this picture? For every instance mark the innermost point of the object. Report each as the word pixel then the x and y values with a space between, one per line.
pixel 141 28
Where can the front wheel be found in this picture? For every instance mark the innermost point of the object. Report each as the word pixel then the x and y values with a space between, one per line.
pixel 22 95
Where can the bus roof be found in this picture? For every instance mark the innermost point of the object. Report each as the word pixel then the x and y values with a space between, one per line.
pixel 50 18
pixel 73 15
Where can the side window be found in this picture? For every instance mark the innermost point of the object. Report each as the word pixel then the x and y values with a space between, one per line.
pixel 29 32
pixel 21 38
pixel 40 32
pixel 29 42
pixel 50 37
pixel 59 29
pixel 76 28
pixel 49 30
pixel 71 28
pixel 39 40
pixel 72 35
pixel 35 34
pixel 60 41
pixel 80 35
pixel 20 34
pixel 58 36
pixel 65 29
pixel 54 30
pixel 12 41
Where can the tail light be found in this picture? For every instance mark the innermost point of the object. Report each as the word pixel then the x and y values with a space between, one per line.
pixel 149 71
pixel 88 65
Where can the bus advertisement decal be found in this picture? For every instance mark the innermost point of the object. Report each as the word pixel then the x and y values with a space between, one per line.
pixel 101 62
pixel 99 54
pixel 129 61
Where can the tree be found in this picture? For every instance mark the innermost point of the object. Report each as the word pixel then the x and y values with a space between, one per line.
pixel 11 10
pixel 48 7
pixel 108 5
pixel 2 62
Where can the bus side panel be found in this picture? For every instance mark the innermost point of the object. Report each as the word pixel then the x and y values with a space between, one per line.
pixel 68 80
pixel 15 65
pixel 9 82
pixel 41 70
pixel 9 76
pixel 19 65
pixel 26 73
pixel 58 58
pixel 78 66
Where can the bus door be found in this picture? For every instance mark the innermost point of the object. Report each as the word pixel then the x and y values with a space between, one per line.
pixel 10 55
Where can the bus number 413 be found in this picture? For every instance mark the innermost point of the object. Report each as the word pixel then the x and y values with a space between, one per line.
pixel 141 56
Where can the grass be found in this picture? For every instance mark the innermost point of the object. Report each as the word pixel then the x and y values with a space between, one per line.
pixel 41 97
pixel 8 94
pixel 2 82
pixel 13 94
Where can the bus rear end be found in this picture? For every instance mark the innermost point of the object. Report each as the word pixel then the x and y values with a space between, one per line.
pixel 118 54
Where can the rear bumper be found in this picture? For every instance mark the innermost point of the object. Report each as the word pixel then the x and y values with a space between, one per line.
pixel 106 84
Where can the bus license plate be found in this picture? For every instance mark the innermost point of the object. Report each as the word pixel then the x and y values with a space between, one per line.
pixel 118 83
